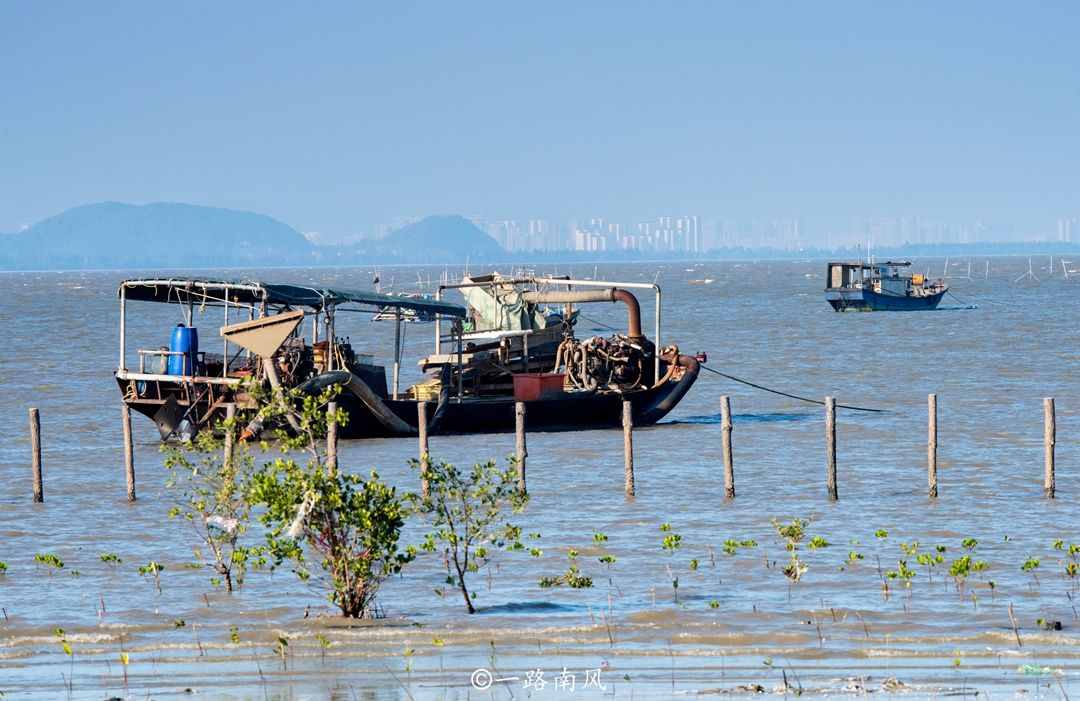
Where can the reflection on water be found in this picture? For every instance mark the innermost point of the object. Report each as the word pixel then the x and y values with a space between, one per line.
pixel 764 321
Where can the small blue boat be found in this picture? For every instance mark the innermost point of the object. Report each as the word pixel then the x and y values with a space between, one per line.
pixel 875 287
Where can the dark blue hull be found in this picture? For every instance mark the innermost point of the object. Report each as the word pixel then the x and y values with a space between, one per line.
pixel 869 301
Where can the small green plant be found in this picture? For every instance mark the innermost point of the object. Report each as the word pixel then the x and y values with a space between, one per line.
pixel 693 565
pixel 61 638
pixel 817 542
pixel 571 578
pixel 111 559
pixel 234 635
pixel 324 644
pixel 1030 566
pixel 49 560
pixel 3 567
pixel 881 534
pixel 930 561
pixel 281 647
pixel 671 543
pixel 599 538
pixel 854 556
pixel 714 604
pixel 793 534
pixel 468 511
pixel 969 544
pixel 153 569
pixel 902 572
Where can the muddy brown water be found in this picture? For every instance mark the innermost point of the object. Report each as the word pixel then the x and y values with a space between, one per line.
pixel 737 623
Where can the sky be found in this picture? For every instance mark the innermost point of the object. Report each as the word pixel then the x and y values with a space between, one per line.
pixel 334 117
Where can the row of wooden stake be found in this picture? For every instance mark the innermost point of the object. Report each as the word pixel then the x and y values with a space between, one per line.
pixel 521 451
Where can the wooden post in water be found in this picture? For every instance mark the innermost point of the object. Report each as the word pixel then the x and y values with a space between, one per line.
pixel 230 431
pixel 628 447
pixel 520 450
pixel 35 455
pixel 1049 440
pixel 830 447
pixel 129 451
pixel 425 456
pixel 725 441
pixel 931 445
pixel 331 436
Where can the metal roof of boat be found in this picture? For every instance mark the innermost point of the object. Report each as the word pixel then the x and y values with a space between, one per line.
pixel 201 290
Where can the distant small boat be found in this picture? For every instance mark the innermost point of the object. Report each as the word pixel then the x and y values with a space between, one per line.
pixel 885 286
pixel 702 281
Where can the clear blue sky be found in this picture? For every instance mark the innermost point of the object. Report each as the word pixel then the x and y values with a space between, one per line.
pixel 334 116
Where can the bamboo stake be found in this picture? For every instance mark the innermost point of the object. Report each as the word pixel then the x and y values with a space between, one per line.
pixel 1049 441
pixel 425 456
pixel 628 447
pixel 331 436
pixel 931 445
pixel 830 447
pixel 35 455
pixel 129 451
pixel 520 450
pixel 725 437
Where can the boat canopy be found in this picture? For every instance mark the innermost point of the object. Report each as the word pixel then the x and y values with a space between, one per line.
pixel 199 291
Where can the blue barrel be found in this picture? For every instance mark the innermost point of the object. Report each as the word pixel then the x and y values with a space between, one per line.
pixel 185 339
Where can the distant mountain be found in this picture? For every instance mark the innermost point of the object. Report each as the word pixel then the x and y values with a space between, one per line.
pixel 164 234
pixel 441 239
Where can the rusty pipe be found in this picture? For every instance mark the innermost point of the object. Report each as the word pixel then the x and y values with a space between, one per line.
pixel 611 294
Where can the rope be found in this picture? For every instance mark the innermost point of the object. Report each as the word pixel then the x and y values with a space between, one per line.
pixel 786 394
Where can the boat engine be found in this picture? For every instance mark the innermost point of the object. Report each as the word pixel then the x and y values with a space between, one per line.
pixel 604 363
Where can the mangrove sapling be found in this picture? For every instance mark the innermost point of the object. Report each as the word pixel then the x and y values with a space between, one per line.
pixel 61 638
pixel 50 561
pixel 467 510
pixel 153 569
pixel 111 559
pixel 670 543
pixel 3 567
pixel 209 491
pixel 931 560
pixel 571 578
pixel 1030 566
pixel 324 645
pixel 793 534
pixel 350 524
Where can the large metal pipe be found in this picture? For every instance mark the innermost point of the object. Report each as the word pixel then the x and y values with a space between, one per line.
pixel 612 294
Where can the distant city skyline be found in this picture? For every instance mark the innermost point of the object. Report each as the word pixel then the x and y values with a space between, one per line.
pixel 695 234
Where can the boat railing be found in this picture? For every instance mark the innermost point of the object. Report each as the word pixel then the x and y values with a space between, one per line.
pixel 158 377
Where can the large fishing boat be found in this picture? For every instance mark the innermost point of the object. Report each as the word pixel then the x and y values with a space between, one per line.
pixel 888 286
pixel 513 340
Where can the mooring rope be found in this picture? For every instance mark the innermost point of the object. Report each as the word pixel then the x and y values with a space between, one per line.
pixel 787 394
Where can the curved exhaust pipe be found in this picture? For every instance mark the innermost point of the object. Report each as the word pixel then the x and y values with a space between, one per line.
pixel 612 294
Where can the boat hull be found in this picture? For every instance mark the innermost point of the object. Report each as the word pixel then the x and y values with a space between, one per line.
pixel 870 301
pixel 568 411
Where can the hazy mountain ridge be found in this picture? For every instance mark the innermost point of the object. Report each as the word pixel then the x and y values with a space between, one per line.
pixel 113 234
pixel 169 234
